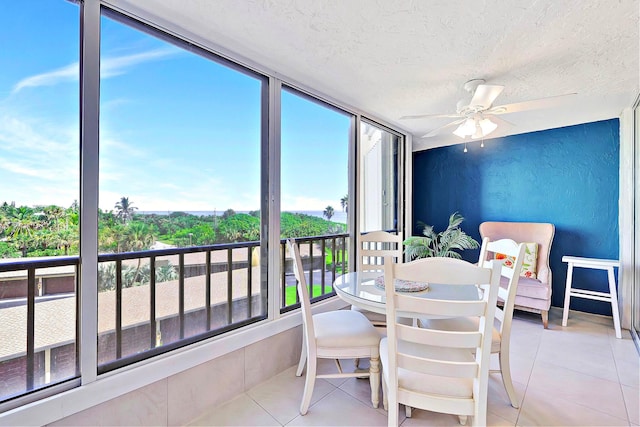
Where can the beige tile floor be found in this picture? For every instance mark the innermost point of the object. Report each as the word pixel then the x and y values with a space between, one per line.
pixel 580 375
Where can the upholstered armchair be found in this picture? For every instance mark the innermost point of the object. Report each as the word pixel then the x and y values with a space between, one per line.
pixel 533 294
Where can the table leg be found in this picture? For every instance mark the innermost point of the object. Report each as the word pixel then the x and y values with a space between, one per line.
pixel 567 294
pixel 614 301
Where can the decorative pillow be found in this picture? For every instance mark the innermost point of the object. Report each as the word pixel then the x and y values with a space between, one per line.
pixel 528 263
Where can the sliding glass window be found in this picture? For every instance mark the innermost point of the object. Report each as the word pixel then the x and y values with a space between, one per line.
pixel 315 140
pixel 39 192
pixel 180 194
pixel 380 192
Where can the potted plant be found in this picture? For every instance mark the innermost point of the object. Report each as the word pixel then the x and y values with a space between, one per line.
pixel 443 244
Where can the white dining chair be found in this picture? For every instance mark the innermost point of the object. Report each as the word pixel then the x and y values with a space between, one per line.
pixel 438 370
pixel 501 335
pixel 339 334
pixel 372 248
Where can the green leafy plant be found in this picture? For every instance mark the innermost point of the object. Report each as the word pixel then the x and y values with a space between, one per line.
pixel 443 244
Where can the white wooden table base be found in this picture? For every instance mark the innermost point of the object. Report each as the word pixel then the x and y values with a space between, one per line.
pixel 611 296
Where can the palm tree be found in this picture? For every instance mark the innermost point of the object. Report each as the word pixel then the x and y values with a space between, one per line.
pixel 106 276
pixel 125 209
pixel 110 238
pixel 164 273
pixel 66 238
pixel 328 212
pixel 4 223
pixel 231 233
pixel 138 236
pixel 21 227
pixel 344 202
pixel 54 214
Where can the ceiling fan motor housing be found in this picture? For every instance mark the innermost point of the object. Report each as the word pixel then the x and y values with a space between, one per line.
pixel 463 107
pixel 473 84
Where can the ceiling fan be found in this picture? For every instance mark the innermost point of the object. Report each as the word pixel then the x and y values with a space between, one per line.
pixel 477 118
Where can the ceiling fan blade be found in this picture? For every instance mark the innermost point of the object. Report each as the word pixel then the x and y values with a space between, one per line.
pixel 533 104
pixel 425 116
pixel 441 128
pixel 499 120
pixel 484 96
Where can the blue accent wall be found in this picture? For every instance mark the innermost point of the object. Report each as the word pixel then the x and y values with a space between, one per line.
pixel 567 176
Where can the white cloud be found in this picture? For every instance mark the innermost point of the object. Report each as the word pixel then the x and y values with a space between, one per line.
pixel 39 161
pixel 109 67
pixel 118 65
pixel 22 136
pixel 19 169
pixel 68 73
pixel 123 149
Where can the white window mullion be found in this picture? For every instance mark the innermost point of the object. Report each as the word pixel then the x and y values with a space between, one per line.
pixel 89 162
pixel 275 88
pixel 354 197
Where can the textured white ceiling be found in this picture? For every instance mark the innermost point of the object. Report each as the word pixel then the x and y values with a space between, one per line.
pixel 391 58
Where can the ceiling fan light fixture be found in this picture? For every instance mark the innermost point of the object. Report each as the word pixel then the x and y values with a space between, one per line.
pixel 487 126
pixel 478 133
pixel 465 129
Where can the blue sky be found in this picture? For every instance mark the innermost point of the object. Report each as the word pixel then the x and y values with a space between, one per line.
pixel 178 131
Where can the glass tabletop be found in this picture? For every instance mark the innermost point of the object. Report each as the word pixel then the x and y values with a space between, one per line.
pixel 359 289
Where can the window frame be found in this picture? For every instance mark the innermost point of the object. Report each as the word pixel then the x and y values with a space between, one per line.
pixel 402 165
pixel 122 19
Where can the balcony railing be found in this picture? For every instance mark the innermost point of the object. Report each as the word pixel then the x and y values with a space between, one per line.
pixel 149 302
pixel 323 259
pixel 34 308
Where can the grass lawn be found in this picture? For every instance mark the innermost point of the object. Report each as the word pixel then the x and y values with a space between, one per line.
pixel 290 293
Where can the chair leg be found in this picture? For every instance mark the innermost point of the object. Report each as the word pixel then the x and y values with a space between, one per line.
pixel 303 358
pixel 393 412
pixel 462 419
pixel 479 418
pixel 385 392
pixel 407 411
pixel 374 380
pixel 308 386
pixel 505 371
pixel 357 361
pixel 545 319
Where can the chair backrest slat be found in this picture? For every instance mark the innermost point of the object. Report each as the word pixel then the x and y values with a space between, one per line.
pixel 374 246
pixel 443 368
pixel 448 271
pixel 435 307
pixel 464 339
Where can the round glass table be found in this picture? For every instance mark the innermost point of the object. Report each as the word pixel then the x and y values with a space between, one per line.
pixel 359 289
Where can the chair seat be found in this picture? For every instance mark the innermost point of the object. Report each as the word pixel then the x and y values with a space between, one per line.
pixel 427 383
pixel 530 288
pixel 374 317
pixel 330 331
pixel 462 324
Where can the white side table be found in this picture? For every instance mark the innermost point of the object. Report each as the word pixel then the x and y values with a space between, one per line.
pixel 611 296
